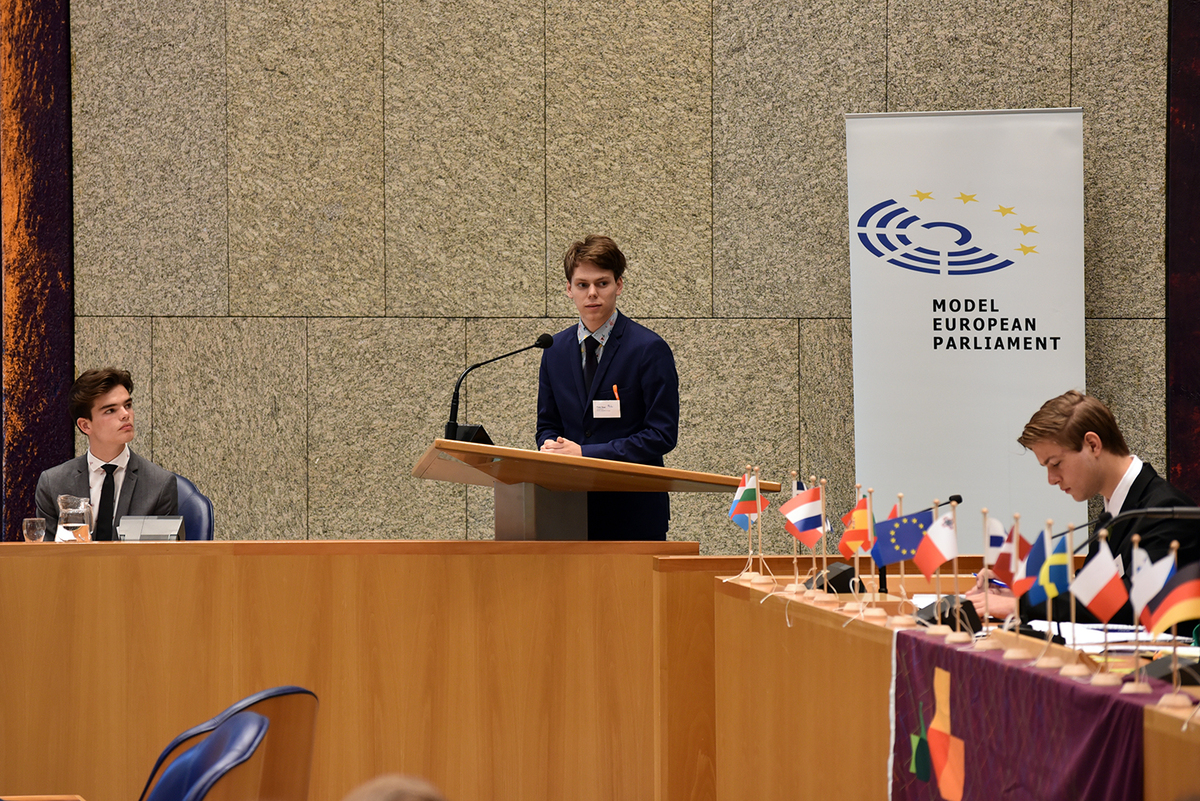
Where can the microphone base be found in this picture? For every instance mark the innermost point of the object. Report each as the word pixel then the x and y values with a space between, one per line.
pixel 474 433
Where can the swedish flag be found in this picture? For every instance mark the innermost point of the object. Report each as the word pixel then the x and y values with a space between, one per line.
pixel 1052 578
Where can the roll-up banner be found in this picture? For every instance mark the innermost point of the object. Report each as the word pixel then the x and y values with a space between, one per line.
pixel 966 277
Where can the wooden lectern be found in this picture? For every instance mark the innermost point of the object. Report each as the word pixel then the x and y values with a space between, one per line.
pixel 542 496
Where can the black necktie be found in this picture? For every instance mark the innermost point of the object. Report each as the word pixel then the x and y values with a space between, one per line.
pixel 104 521
pixel 589 362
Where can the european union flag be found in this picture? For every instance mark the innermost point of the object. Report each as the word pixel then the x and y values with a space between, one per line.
pixel 897 539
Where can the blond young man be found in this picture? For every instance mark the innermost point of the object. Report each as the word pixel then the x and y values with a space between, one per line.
pixel 1077 439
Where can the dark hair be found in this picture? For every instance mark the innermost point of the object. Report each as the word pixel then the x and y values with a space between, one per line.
pixel 595 249
pixel 1066 419
pixel 90 385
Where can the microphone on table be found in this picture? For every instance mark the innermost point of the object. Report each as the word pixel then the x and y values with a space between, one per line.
pixel 952 499
pixel 475 433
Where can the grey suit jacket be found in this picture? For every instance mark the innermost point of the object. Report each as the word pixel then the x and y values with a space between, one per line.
pixel 147 490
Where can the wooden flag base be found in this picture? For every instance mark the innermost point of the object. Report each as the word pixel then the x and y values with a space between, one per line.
pixel 825 599
pixel 988 644
pixel 1177 701
pixel 875 613
pixel 1014 654
pixel 1077 670
pixel 902 622
pixel 749 575
pixel 794 589
pixel 852 608
pixel 938 630
pixel 1105 679
pixel 1135 688
pixel 959 637
pixel 762 579
pixel 1049 662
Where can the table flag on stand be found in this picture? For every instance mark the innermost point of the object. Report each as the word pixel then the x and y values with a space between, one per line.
pixel 939 546
pixel 1052 579
pixel 1148 579
pixel 897 539
pixel 1028 570
pixel 1006 564
pixel 995 542
pixel 858 530
pixel 1179 600
pixel 1098 586
pixel 744 509
pixel 803 514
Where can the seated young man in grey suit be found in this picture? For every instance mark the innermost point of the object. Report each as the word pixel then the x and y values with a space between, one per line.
pixel 118 481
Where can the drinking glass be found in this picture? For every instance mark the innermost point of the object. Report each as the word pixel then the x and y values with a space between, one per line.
pixel 34 529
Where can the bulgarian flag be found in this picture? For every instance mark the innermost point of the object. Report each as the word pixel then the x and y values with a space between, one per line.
pixel 1178 600
pixel 803 514
pixel 1098 586
pixel 858 530
pixel 746 503
pixel 939 546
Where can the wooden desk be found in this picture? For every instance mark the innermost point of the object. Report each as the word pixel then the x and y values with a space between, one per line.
pixel 1172 756
pixel 796 705
pixel 498 670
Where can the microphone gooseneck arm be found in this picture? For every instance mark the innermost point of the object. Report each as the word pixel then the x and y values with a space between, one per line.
pixel 1152 512
pixel 543 341
pixel 1100 522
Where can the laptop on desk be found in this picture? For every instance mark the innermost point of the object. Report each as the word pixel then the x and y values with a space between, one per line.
pixel 150 528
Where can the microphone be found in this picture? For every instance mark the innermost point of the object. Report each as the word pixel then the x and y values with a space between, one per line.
pixel 452 428
pixel 952 499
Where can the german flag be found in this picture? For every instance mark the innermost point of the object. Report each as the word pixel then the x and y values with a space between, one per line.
pixel 1178 600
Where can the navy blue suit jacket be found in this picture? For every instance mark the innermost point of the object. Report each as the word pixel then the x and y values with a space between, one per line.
pixel 642 367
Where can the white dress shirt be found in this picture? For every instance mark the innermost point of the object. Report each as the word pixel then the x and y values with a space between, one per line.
pixel 1113 505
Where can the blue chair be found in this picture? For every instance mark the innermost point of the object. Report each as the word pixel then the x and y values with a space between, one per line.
pixel 287 752
pixel 196 771
pixel 197 511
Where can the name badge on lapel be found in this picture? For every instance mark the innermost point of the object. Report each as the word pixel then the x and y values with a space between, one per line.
pixel 606 408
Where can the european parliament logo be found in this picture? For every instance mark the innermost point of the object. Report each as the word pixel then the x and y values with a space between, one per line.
pixel 895 233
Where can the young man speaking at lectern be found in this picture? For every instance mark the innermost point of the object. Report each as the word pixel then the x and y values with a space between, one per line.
pixel 608 390
pixel 117 480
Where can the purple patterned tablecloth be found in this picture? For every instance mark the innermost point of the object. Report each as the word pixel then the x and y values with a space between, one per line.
pixel 1017 732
